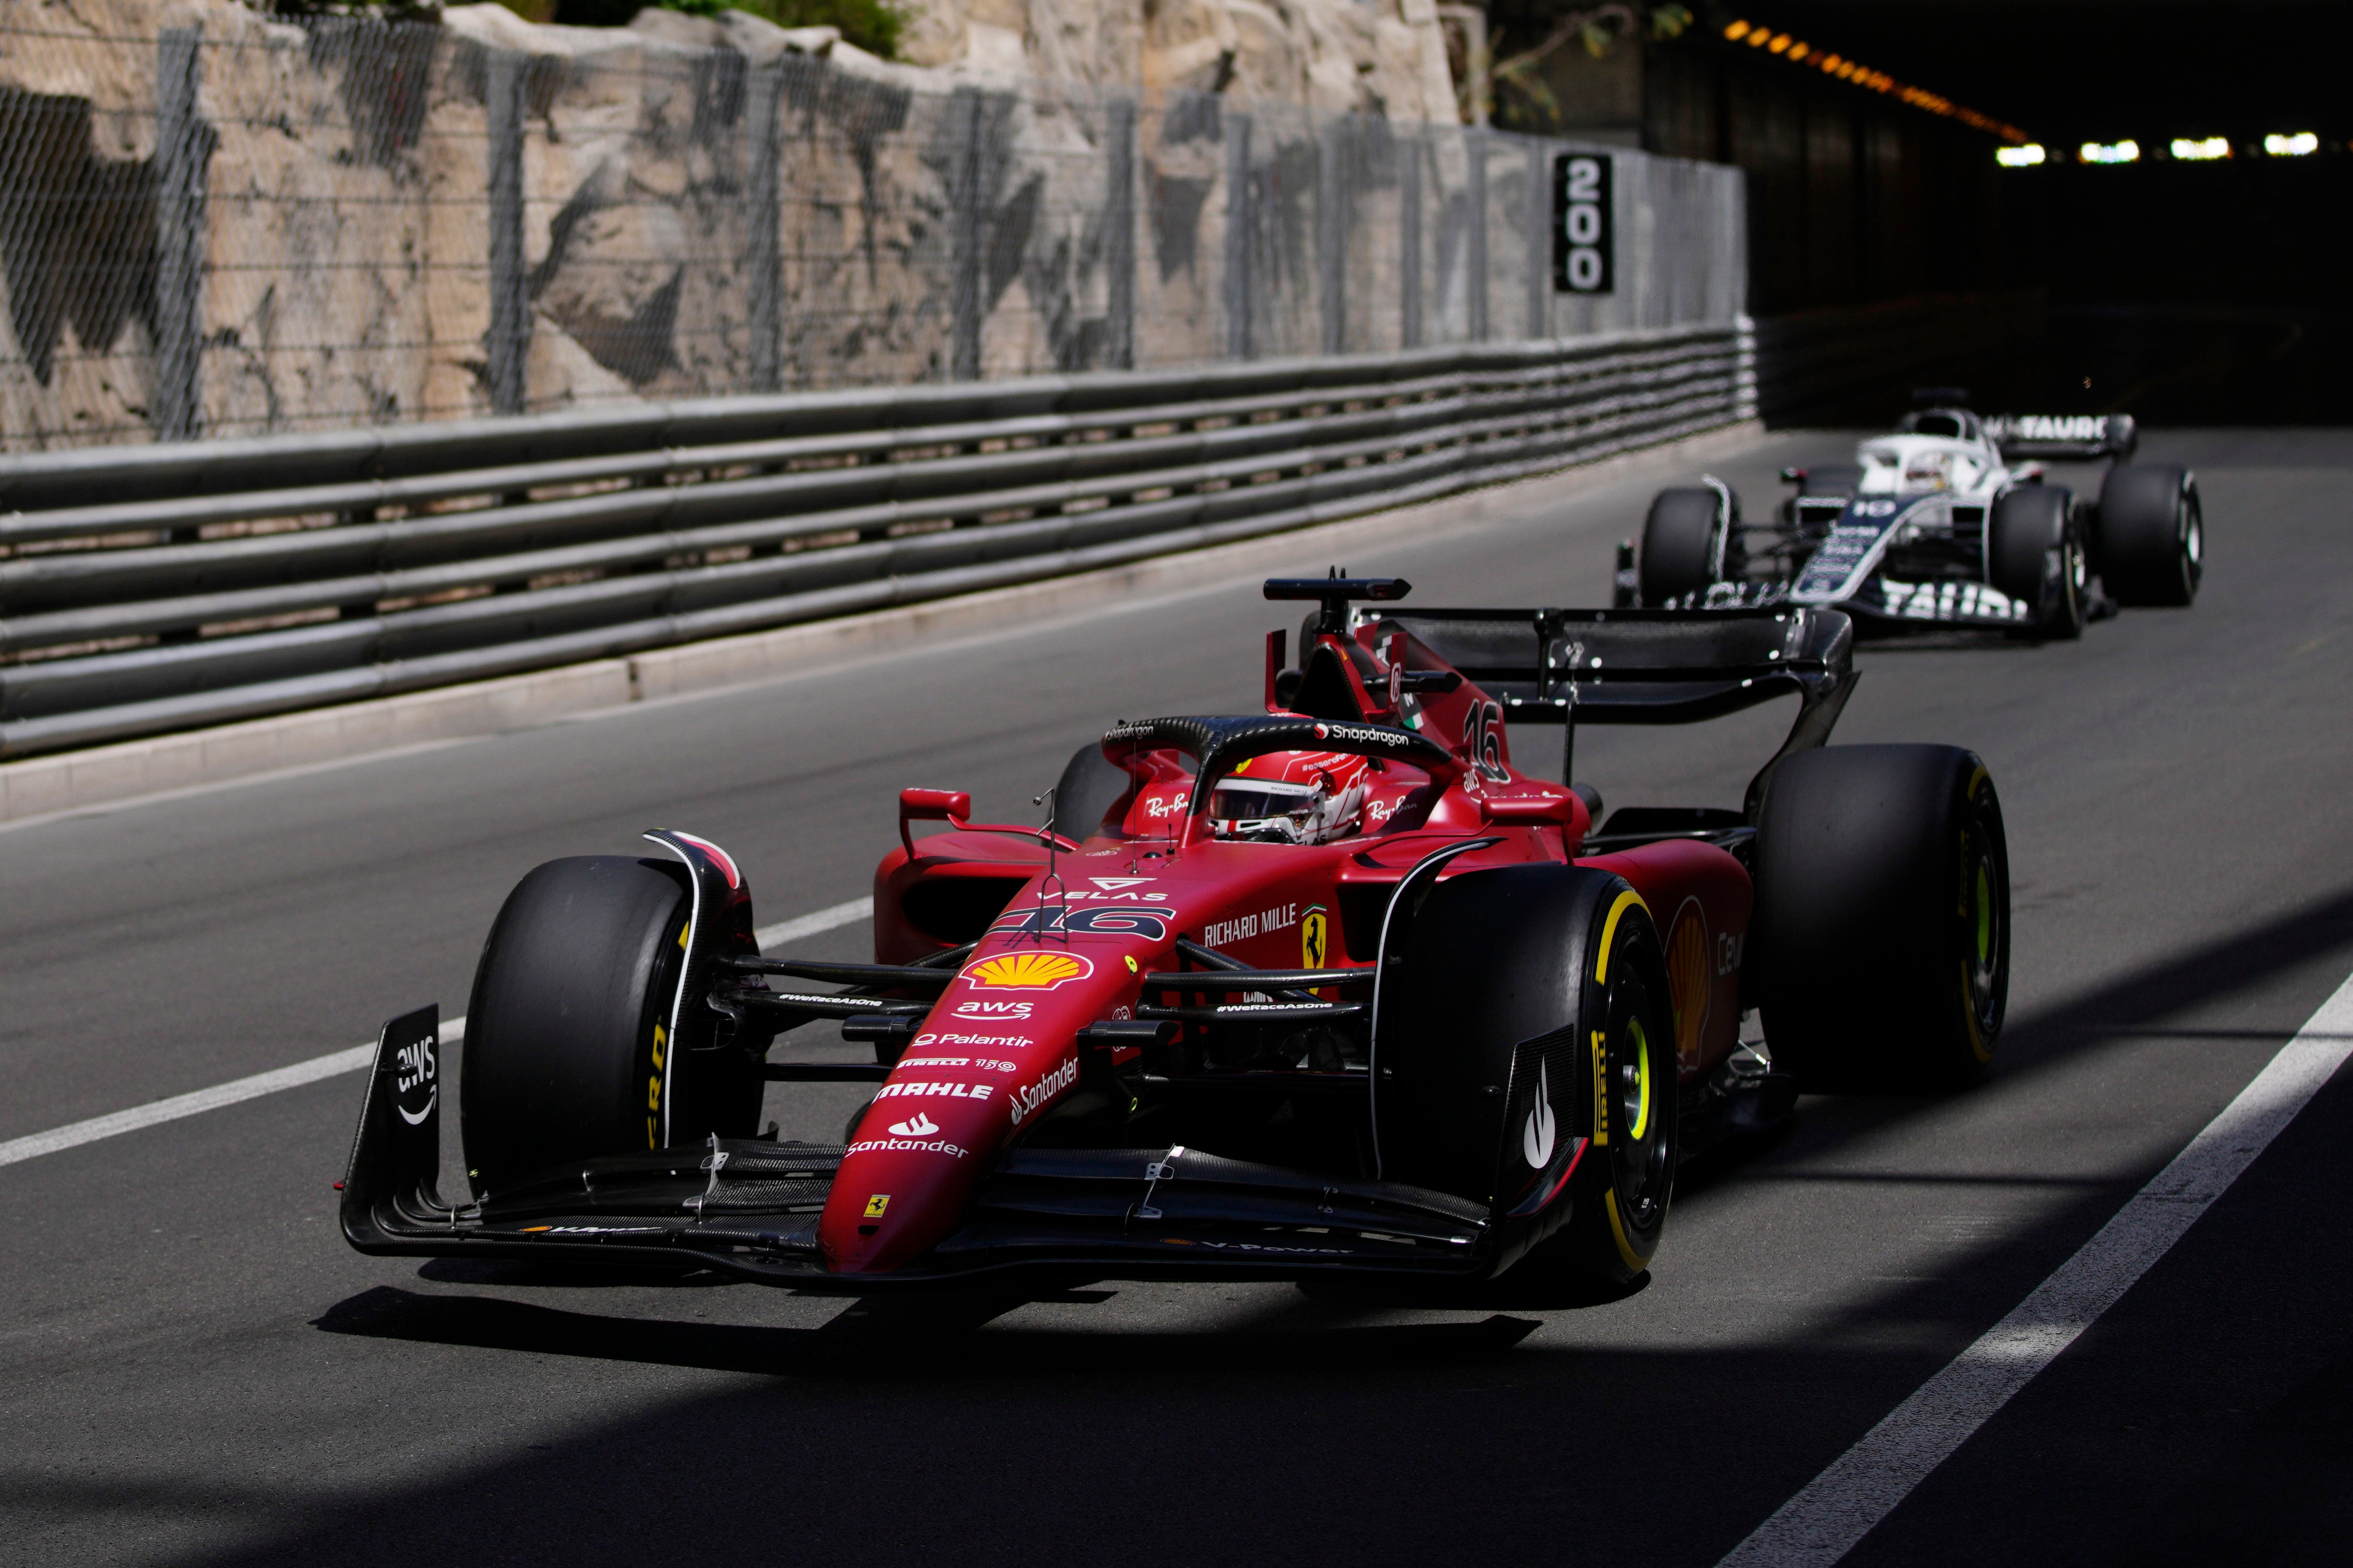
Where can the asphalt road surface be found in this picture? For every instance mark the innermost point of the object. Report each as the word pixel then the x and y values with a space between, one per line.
pixel 195 1369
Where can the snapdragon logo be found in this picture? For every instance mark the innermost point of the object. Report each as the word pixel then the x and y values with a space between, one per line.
pixel 1026 1100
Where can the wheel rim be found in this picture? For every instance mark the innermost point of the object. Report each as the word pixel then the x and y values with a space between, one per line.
pixel 1634 1088
pixel 1643 1163
pixel 2193 545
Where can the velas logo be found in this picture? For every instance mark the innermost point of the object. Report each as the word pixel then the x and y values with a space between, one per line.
pixel 1029 971
pixel 916 1126
pixel 1537 1137
pixel 1113 884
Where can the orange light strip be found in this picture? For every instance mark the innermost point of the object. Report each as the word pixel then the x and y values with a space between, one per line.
pixel 1797 51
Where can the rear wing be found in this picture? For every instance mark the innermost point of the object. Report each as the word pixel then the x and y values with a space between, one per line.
pixel 2085 436
pixel 1648 667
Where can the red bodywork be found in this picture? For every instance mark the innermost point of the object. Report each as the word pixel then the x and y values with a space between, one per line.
pixel 999 1048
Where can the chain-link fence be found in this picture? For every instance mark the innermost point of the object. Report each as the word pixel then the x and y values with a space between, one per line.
pixel 254 226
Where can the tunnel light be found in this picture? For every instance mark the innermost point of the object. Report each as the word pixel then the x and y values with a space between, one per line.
pixel 2295 146
pixel 1736 31
pixel 2126 151
pixel 2201 152
pixel 2024 157
pixel 1779 45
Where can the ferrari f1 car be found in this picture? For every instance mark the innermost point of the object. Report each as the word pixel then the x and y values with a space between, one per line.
pixel 1933 524
pixel 1329 988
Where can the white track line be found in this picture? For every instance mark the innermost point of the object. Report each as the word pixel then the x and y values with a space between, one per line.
pixel 34 1145
pixel 1842 1505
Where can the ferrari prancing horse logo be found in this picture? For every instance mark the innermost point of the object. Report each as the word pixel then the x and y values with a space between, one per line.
pixel 1313 939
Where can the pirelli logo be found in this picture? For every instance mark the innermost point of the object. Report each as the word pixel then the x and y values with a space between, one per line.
pixel 1600 1090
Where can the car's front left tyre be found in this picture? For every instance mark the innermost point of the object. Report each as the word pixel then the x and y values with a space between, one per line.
pixel 2037 554
pixel 1689 542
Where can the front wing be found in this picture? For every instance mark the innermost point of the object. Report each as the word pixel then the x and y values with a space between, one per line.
pixel 749 1207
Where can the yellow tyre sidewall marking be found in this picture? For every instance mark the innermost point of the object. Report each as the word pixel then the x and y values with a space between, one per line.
pixel 1637 1261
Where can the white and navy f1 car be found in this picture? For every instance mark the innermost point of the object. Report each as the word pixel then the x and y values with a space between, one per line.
pixel 1946 522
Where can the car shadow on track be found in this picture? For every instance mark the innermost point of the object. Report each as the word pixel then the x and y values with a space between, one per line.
pixel 898 1337
pixel 2137 1004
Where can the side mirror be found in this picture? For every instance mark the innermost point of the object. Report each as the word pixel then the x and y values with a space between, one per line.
pixel 1559 811
pixel 931 805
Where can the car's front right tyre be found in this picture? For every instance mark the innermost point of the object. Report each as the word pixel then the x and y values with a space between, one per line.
pixel 567 1053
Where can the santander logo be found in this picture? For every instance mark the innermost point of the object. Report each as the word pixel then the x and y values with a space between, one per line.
pixel 1026 1100
pixel 916 1126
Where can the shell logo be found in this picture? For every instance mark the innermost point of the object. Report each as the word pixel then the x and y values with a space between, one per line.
pixel 1029 971
pixel 1687 980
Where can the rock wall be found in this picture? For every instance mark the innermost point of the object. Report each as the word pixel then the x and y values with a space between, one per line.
pixel 345 217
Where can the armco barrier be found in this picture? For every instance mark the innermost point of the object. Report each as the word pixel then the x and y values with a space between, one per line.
pixel 161 587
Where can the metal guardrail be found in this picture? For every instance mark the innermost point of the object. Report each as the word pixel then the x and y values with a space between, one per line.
pixel 153 588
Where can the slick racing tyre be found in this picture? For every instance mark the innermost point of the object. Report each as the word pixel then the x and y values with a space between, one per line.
pixel 1524 1058
pixel 2036 552
pixel 1879 950
pixel 1687 543
pixel 566 1054
pixel 2151 543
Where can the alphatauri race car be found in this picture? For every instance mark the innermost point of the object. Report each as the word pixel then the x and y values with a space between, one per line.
pixel 1933 524
pixel 1330 988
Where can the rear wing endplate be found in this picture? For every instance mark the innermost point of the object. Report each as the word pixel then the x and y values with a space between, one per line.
pixel 2062 436
pixel 1648 666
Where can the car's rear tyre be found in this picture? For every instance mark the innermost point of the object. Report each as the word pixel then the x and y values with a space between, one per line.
pixel 1685 539
pixel 2150 545
pixel 1519 994
pixel 2037 554
pixel 566 1053
pixel 1880 945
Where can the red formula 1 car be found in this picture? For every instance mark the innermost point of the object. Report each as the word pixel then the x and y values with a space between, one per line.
pixel 1328 988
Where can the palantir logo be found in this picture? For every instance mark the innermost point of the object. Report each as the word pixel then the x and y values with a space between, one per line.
pixel 916 1126
pixel 1537 1137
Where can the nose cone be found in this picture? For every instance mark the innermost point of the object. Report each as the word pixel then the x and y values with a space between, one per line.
pixel 997 1050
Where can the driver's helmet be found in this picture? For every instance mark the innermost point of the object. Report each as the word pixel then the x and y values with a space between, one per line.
pixel 1291 798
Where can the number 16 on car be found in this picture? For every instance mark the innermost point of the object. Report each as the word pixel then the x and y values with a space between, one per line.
pixel 1584 248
